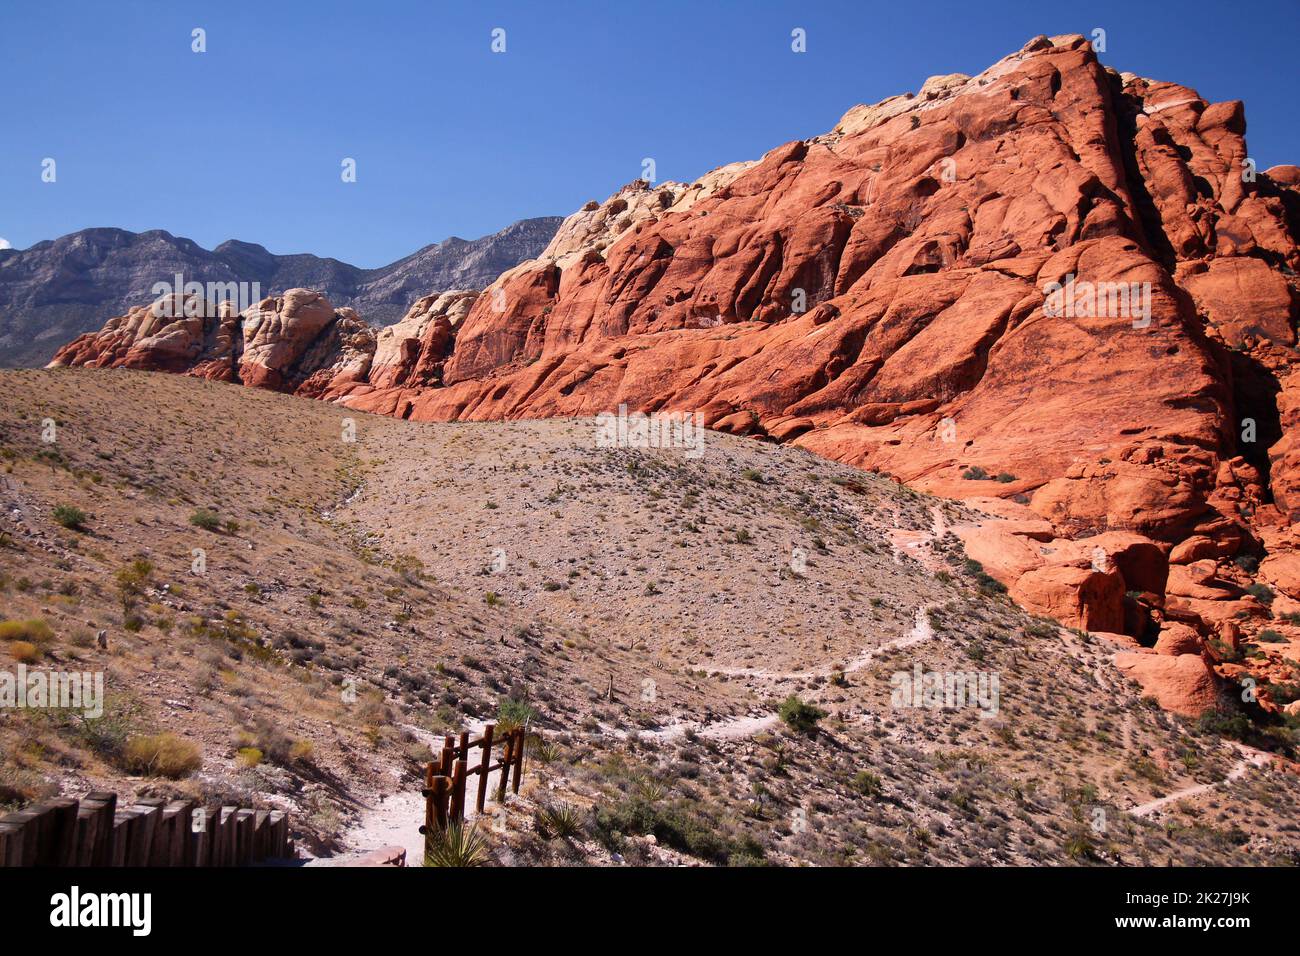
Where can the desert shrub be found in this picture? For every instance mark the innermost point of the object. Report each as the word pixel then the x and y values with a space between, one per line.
pixel 799 715
pixel 107 735
pixel 1247 562
pixel 988 585
pixel 131 581
pixel 162 755
pixel 558 820
pixel 302 751
pixel 1223 650
pixel 866 783
pixel 33 631
pixel 1262 592
pixel 408 567
pixel 1221 722
pixel 248 757
pixel 457 845
pixel 543 750
pixel 677 825
pixel 1269 636
pixel 206 519
pixel 513 714
pixel 25 652
pixel 72 518
pixel 975 473
pixel 1283 694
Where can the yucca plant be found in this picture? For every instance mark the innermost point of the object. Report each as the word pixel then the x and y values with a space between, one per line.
pixel 559 819
pixel 651 791
pixel 543 750
pixel 457 845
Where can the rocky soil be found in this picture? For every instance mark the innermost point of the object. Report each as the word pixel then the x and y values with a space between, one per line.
pixel 371 582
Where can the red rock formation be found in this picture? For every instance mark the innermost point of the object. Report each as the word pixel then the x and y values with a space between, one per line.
pixel 1050 283
pixel 295 342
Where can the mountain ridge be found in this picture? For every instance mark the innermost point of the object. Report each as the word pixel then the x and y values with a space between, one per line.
pixel 59 288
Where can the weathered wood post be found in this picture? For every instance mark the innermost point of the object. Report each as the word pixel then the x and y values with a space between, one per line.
pixel 519 759
pixel 458 791
pixel 506 759
pixel 95 828
pixel 484 763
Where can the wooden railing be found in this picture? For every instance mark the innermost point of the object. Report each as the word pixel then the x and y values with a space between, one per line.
pixel 445 781
pixel 94 831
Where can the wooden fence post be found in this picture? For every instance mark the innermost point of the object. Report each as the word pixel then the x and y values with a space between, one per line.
pixel 11 842
pixel 457 813
pixel 279 821
pixel 245 836
pixel 506 759
pixel 223 847
pixel 448 755
pixel 484 763
pixel 519 758
pixel 62 834
pixel 176 823
pixel 95 828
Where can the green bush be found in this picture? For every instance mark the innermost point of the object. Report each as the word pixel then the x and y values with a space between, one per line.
pixel 33 631
pixel 1247 562
pixel 513 714
pixel 1262 592
pixel 866 783
pixel 676 825
pixel 799 715
pixel 74 519
pixel 975 473
pixel 206 519
pixel 1221 722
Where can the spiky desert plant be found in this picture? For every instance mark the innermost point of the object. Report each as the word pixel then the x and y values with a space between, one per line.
pixel 457 845
pixel 558 820
pixel 543 750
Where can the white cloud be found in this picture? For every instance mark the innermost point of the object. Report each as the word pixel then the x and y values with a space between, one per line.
pixel 4 244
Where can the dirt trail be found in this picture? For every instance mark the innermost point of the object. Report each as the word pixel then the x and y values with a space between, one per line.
pixel 1250 758
pixel 736 728
pixel 396 819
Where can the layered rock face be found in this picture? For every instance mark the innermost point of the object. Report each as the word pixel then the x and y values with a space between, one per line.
pixel 296 342
pixel 1055 290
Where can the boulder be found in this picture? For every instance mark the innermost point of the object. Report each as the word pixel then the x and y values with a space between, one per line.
pixel 1182 683
pixel 1177 638
pixel 1077 597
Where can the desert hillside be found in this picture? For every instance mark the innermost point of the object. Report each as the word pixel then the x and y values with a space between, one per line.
pixel 1062 293
pixel 367 581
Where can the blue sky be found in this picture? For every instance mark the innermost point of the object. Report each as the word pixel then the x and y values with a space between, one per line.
pixel 245 141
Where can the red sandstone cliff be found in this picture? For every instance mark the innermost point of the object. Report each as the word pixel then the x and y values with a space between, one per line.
pixel 879 295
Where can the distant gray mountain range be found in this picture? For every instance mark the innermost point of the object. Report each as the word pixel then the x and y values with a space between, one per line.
pixel 60 288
